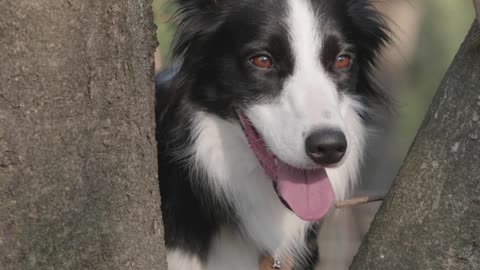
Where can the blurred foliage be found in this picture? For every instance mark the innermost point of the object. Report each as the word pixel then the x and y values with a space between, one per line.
pixel 162 11
pixel 444 25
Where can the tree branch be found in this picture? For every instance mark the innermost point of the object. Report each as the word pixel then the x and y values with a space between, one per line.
pixel 359 201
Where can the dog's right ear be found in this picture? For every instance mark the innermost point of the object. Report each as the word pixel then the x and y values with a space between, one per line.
pixel 196 20
pixel 200 4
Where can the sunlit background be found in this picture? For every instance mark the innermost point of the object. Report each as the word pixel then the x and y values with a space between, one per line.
pixel 426 34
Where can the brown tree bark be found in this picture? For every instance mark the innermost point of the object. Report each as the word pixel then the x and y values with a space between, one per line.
pixel 431 217
pixel 78 171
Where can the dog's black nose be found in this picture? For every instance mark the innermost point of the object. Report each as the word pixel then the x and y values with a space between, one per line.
pixel 326 146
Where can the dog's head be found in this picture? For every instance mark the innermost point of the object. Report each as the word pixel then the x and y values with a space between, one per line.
pixel 296 75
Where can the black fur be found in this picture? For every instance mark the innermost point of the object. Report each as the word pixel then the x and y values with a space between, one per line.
pixel 191 215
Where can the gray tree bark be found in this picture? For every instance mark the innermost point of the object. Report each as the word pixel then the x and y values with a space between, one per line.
pixel 431 217
pixel 78 171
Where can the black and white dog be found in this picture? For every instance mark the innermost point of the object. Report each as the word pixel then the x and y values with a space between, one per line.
pixel 263 126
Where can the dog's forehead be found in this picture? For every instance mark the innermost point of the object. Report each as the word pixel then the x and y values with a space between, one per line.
pixel 304 23
pixel 292 18
pixel 323 10
pixel 313 32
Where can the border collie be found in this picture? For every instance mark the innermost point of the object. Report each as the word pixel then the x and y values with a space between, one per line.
pixel 262 126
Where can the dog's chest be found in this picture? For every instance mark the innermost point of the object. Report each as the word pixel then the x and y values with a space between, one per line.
pixel 227 251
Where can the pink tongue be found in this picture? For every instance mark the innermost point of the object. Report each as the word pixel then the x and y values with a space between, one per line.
pixel 308 193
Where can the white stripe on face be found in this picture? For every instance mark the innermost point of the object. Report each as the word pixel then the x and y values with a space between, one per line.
pixel 309 101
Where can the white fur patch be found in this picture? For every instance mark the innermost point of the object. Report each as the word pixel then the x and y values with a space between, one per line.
pixel 229 251
pixel 178 260
pixel 344 176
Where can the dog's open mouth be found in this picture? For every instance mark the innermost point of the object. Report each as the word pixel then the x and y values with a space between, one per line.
pixel 308 193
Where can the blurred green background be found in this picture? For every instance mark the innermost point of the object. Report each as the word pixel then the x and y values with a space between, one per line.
pixel 163 11
pixel 443 26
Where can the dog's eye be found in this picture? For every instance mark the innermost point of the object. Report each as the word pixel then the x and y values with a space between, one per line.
pixel 343 61
pixel 262 61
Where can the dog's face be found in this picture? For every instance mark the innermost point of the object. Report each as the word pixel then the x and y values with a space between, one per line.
pixel 295 73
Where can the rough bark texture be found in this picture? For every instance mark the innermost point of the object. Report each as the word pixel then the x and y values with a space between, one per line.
pixel 431 218
pixel 78 172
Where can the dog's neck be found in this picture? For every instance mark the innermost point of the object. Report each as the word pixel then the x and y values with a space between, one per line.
pixel 232 169
pixel 269 263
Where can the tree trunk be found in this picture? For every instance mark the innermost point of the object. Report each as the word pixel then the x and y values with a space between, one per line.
pixel 431 217
pixel 78 171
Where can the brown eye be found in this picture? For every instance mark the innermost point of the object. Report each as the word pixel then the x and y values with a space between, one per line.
pixel 262 61
pixel 343 61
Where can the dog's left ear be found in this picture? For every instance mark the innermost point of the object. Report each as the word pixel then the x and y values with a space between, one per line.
pixel 369 23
